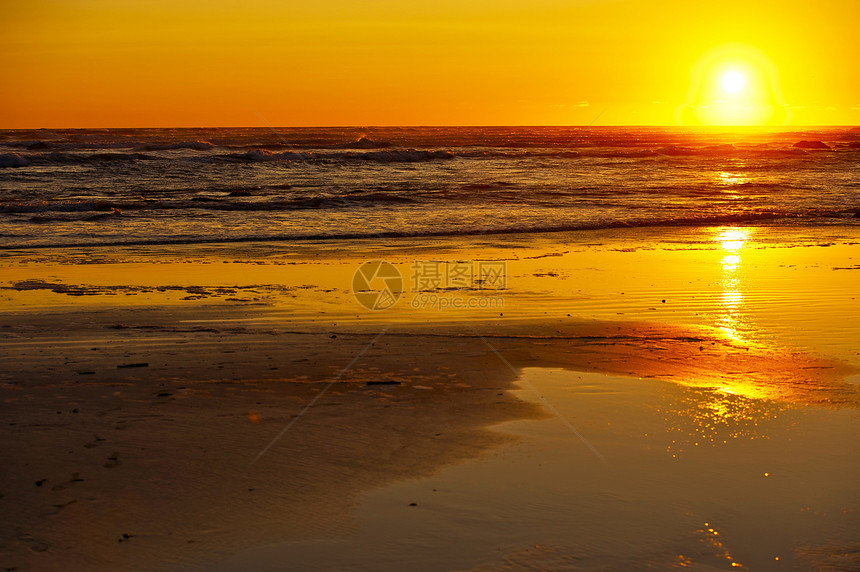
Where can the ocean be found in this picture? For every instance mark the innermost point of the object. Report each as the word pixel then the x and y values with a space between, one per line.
pixel 104 187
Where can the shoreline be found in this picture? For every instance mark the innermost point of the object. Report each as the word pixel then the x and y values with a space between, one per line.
pixel 753 282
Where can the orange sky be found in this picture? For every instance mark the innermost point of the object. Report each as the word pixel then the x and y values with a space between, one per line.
pixel 137 63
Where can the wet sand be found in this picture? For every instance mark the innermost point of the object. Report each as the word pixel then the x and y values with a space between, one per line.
pixel 111 463
pixel 687 478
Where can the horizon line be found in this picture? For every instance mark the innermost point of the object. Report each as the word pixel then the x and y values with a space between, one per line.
pixel 418 126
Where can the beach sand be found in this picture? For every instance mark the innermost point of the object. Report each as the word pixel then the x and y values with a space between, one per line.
pixel 710 491
pixel 188 407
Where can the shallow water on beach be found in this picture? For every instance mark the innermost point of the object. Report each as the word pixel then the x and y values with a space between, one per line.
pixel 654 476
pixel 755 285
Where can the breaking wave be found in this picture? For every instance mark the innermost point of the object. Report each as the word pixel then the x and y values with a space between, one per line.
pixel 382 152
pixel 684 221
pixel 195 145
pixel 388 156
pixel 13 160
pixel 207 203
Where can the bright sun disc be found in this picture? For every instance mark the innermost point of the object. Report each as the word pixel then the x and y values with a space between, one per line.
pixel 734 84
pixel 733 81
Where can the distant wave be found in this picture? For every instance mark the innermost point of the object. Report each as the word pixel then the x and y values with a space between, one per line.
pixel 13 160
pixel 388 156
pixel 229 203
pixel 253 156
pixel 757 194
pixel 260 155
pixel 417 155
pixel 684 221
pixel 59 158
pixel 501 137
pixel 57 206
pixel 115 214
pixel 363 143
pixel 486 186
pixel 196 145
pixel 394 155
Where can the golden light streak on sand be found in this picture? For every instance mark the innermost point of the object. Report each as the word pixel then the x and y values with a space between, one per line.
pixel 731 240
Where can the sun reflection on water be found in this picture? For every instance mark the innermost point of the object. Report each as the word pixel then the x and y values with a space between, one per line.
pixel 732 179
pixel 710 536
pixel 715 416
pixel 733 239
pixel 736 403
pixel 731 183
pixel 731 301
pixel 730 262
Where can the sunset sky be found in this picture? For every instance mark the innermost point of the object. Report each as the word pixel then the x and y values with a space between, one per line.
pixel 139 63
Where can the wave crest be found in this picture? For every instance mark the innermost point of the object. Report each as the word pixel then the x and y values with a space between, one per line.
pixel 195 145
pixel 12 160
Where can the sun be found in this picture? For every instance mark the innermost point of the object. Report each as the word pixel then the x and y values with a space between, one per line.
pixel 733 81
pixel 734 85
